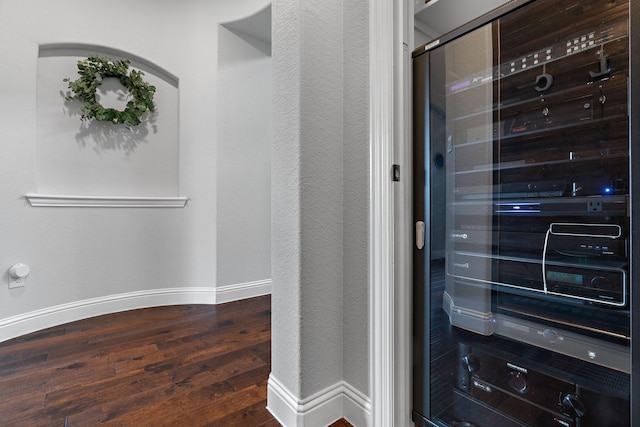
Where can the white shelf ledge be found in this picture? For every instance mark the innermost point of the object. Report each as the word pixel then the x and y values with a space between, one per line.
pixel 49 200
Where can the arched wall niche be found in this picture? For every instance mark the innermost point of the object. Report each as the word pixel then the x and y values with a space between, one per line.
pixel 79 159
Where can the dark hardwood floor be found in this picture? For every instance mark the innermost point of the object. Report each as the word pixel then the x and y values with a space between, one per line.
pixel 189 365
pixel 195 365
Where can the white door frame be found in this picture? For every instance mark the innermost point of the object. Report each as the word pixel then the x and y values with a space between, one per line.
pixel 389 360
pixel 381 357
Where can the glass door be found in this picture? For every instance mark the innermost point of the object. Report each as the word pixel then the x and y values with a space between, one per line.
pixel 522 276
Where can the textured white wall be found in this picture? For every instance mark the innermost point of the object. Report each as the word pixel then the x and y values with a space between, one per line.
pixel 78 254
pixel 320 195
pixel 307 195
pixel 286 168
pixel 356 194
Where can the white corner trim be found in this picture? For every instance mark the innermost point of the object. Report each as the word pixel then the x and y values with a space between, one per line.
pixel 357 407
pixel 340 400
pixel 54 200
pixel 282 404
pixel 15 326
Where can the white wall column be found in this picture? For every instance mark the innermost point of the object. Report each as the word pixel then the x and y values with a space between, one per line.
pixel 307 207
pixel 319 215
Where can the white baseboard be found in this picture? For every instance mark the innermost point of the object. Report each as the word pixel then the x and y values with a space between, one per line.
pixel 15 326
pixel 238 291
pixel 340 400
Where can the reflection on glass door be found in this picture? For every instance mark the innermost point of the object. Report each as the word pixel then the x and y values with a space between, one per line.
pixel 522 175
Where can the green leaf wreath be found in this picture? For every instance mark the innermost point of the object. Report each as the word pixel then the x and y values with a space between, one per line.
pixel 96 68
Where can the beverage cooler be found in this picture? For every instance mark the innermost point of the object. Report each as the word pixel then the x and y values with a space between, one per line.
pixel 525 158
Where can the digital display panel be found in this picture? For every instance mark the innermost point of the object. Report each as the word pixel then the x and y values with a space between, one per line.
pixel 558 276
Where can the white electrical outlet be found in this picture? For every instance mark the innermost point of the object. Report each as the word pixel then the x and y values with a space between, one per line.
pixel 18 275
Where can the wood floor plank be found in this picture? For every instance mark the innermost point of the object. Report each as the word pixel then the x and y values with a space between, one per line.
pixel 200 407
pixel 84 396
